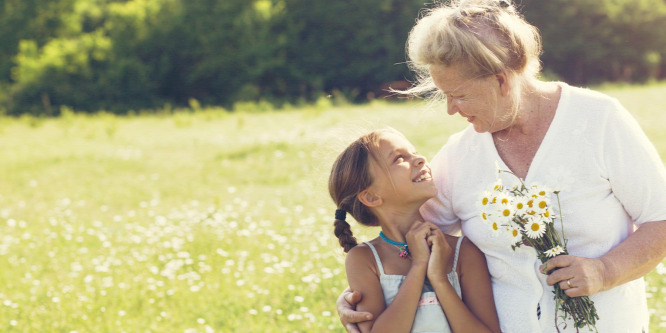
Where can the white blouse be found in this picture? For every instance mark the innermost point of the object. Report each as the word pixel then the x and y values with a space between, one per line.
pixel 611 180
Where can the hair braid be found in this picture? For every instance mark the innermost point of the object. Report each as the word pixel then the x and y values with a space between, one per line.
pixel 344 234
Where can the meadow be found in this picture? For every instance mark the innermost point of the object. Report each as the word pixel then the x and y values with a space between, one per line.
pixel 200 220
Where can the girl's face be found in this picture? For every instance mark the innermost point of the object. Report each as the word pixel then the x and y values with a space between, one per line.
pixel 477 99
pixel 401 175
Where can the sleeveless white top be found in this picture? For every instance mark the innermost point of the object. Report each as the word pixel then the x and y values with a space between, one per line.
pixel 429 315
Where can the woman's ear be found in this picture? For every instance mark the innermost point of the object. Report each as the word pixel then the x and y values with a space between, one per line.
pixel 369 198
pixel 503 82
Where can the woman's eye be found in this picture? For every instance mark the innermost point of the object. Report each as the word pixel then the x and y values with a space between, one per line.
pixel 399 158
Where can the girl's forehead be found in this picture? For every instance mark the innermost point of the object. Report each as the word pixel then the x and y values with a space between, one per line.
pixel 391 141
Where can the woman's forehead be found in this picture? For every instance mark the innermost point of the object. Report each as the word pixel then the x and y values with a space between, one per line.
pixel 450 79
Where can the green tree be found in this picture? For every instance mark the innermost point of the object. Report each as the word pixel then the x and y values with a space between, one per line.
pixel 594 40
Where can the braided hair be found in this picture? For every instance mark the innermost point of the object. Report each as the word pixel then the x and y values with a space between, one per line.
pixel 349 176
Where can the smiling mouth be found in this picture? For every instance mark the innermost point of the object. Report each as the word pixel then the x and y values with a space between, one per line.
pixel 423 176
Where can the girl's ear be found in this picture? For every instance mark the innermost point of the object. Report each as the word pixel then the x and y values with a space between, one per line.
pixel 369 198
pixel 503 82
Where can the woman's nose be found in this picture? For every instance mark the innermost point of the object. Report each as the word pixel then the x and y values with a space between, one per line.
pixel 450 108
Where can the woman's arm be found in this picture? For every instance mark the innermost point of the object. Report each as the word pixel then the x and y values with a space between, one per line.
pixel 633 258
pixel 346 306
pixel 475 312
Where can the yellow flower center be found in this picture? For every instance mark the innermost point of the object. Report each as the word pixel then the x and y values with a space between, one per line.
pixel 519 205
pixel 542 204
pixel 484 201
pixel 535 227
pixel 494 200
pixel 530 203
pixel 546 214
pixel 514 232
pixel 506 212
pixel 483 215
pixel 505 201
pixel 495 227
pixel 542 193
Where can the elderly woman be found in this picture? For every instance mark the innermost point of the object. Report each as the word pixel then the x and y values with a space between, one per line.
pixel 483 57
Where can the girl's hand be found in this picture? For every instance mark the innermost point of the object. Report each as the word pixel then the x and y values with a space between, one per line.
pixel 441 255
pixel 419 249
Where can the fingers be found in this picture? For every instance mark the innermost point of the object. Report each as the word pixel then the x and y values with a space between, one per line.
pixel 555 263
pixel 577 276
pixel 349 316
pixel 571 288
pixel 346 304
pixel 353 297
pixel 352 328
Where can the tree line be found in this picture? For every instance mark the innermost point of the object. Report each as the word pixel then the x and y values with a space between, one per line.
pixel 122 55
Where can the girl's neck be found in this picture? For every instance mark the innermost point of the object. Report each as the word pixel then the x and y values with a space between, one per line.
pixel 395 224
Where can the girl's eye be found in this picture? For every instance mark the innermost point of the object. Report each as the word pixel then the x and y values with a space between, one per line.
pixel 399 158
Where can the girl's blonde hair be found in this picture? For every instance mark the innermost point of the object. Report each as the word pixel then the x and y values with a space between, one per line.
pixel 350 175
pixel 483 37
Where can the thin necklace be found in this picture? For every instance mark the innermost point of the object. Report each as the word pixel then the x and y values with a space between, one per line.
pixel 404 251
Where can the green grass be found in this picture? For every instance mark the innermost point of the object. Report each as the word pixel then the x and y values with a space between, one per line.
pixel 199 222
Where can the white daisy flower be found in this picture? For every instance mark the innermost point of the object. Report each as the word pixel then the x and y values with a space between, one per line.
pixel 534 228
pixel 554 251
pixel 519 204
pixel 497 186
pixel 486 199
pixel 547 216
pixel 485 217
pixel 541 204
pixel 503 213
pixel 537 190
pixel 496 228
pixel 513 231
pixel 503 199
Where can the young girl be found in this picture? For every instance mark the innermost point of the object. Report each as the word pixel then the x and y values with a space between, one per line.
pixel 413 277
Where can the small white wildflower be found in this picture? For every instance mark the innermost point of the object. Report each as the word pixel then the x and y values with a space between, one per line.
pixel 554 251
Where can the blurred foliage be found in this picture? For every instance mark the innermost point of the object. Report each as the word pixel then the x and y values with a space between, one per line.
pixel 125 56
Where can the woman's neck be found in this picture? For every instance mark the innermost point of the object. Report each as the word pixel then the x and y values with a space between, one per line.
pixel 534 113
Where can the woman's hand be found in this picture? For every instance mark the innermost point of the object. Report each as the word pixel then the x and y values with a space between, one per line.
pixel 441 255
pixel 349 317
pixel 417 242
pixel 577 276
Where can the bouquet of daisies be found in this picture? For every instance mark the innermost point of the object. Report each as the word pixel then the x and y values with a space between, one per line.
pixel 524 215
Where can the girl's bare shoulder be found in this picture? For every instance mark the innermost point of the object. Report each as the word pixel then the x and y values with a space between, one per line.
pixel 360 256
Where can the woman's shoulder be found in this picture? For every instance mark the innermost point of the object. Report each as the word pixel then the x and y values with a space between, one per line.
pixel 457 144
pixel 585 96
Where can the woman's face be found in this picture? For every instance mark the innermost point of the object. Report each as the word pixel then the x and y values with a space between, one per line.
pixel 480 100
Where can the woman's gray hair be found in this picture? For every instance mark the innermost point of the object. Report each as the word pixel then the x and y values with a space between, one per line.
pixel 482 37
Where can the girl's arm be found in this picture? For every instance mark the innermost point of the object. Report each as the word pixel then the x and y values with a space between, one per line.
pixel 475 312
pixel 363 276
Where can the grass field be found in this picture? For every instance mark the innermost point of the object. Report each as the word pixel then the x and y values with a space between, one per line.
pixel 199 221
